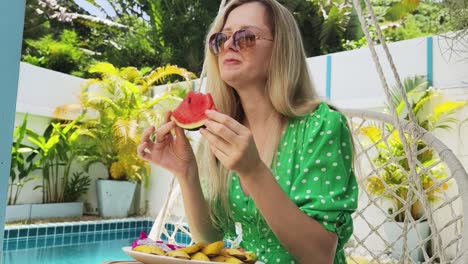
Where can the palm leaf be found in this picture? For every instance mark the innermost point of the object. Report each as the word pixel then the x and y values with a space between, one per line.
pixel 125 131
pixel 447 108
pixel 104 68
pixel 131 74
pixel 372 132
pixel 161 73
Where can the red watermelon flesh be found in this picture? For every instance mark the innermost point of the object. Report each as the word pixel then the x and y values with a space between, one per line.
pixel 190 114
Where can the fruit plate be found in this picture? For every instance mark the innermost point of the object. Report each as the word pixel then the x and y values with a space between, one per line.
pixel 155 259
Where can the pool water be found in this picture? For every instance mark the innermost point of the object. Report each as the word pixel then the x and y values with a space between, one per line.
pixel 92 253
pixel 80 242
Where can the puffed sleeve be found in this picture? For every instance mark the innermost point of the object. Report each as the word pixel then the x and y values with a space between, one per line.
pixel 325 186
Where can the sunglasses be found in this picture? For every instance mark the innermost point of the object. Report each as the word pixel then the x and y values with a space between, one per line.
pixel 242 39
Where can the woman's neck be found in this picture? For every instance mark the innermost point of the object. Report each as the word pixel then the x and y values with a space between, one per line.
pixel 257 108
pixel 265 123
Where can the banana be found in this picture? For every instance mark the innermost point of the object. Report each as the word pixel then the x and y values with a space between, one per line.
pixel 192 249
pixel 233 260
pixel 149 250
pixel 218 259
pixel 213 249
pixel 199 256
pixel 178 254
pixel 234 253
pixel 250 257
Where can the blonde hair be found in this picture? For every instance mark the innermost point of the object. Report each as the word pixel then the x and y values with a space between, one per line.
pixel 289 87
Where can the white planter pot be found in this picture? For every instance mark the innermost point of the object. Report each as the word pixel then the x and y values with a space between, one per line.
pixel 114 197
pixel 56 210
pixel 18 212
pixel 414 235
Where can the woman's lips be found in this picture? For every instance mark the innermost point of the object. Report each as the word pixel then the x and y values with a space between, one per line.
pixel 231 61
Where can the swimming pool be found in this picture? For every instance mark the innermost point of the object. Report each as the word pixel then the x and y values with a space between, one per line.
pixel 81 242
pixel 92 253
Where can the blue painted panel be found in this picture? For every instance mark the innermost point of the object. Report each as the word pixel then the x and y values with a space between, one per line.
pixel 11 30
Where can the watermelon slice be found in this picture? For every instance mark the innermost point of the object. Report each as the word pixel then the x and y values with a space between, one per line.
pixel 190 114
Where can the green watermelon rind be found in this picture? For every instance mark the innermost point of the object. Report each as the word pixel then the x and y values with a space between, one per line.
pixel 192 126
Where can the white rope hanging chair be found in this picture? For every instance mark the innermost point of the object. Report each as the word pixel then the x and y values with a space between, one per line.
pixel 447 239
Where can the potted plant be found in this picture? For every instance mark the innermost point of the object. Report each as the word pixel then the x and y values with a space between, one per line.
pixel 58 148
pixel 391 181
pixel 119 105
pixel 22 167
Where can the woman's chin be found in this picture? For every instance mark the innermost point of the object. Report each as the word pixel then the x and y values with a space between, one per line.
pixel 231 76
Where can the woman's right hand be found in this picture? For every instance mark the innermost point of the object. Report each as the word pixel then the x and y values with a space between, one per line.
pixel 172 153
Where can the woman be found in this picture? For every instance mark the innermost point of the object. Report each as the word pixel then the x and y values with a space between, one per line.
pixel 273 160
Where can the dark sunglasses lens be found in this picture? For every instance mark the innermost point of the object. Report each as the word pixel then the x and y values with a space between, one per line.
pixel 244 39
pixel 216 42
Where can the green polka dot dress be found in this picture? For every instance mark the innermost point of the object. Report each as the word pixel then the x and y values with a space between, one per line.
pixel 313 166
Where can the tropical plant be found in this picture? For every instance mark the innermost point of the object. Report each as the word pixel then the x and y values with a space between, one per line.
pixel 119 105
pixel 405 19
pixel 57 148
pixel 22 163
pixel 77 186
pixel 62 55
pixel 392 181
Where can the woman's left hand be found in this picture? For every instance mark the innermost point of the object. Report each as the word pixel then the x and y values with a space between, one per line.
pixel 232 143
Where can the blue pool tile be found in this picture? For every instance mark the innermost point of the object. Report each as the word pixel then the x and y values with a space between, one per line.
pixel 50 241
pixel 98 227
pixel 112 236
pixel 76 229
pixel 13 233
pixel 139 224
pixel 126 225
pixel 75 239
pixel 67 230
pixel 59 230
pixel 84 228
pixel 32 232
pixel 119 225
pixel 50 231
pixel 105 236
pixel 132 224
pixel 5 234
pixel 98 237
pixel 126 234
pixel 66 240
pixel 83 239
pixel 11 245
pixel 112 226
pixel 105 227
pixel 41 242
pixel 32 243
pixel 23 232
pixel 59 240
pixel 91 228
pixel 22 244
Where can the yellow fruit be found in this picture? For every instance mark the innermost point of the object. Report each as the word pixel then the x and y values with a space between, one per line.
pixel 178 254
pixel 219 259
pixel 150 250
pixel 233 260
pixel 192 249
pixel 213 249
pixel 235 253
pixel 199 256
pixel 250 257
